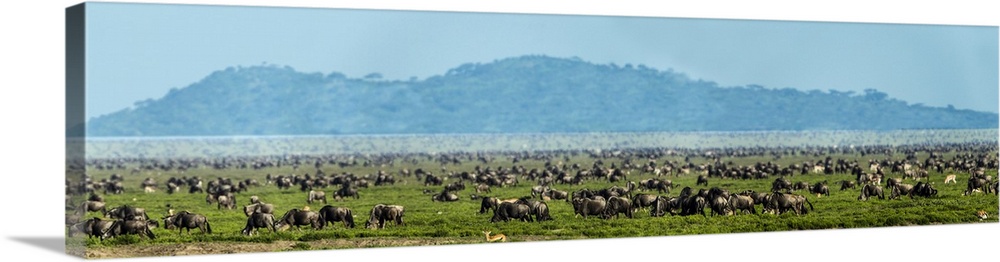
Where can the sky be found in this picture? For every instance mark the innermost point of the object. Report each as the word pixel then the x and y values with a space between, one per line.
pixel 140 51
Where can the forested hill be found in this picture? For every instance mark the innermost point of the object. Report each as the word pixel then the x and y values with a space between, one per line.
pixel 514 95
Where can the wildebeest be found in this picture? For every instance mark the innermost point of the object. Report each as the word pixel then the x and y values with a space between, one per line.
pixel 258 220
pixel 224 201
pixel 258 207
pixel 316 196
pixel 923 189
pixel 381 213
pixel 977 183
pixel 820 189
pixel 91 206
pixel 187 220
pixel 702 180
pixel 126 212
pixel 643 201
pixel 347 191
pixel 899 189
pixel 297 218
pixel 507 211
pixel 781 184
pixel 445 196
pixel 870 190
pixel 845 184
pixel 538 209
pixel 331 214
pixel 783 202
pixel 742 203
pixel 586 206
pixel 490 203
pixel 128 227
pixel 618 205
pixel 556 194
pixel 663 205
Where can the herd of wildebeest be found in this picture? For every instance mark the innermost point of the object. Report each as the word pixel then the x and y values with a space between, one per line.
pixel 883 175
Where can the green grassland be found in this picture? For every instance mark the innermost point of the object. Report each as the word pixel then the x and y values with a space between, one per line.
pixel 460 222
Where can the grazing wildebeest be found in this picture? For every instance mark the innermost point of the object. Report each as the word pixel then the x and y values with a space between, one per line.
pixel 381 213
pixel 742 203
pixel 331 214
pixel 258 207
pixel 91 206
pixel 556 194
pixel 923 189
pixel 128 227
pixel 538 209
pixel 228 202
pixel 316 196
pixel 820 189
pixel 491 203
pixel 702 180
pixel 640 201
pixel 347 191
pixel 783 202
pixel 187 220
pixel 899 189
pixel 720 206
pixel 445 196
pixel 662 205
pixel 781 184
pixel 845 184
pixel 258 220
pixel 482 188
pixel 800 186
pixel 297 218
pixel 618 205
pixel 870 190
pixel 126 212
pixel 507 211
pixel 977 183
pixel 587 206
pixel 254 199
pixel 893 181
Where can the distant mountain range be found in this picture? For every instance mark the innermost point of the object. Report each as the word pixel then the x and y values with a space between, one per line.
pixel 514 95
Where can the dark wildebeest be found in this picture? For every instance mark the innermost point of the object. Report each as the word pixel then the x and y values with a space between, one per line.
pixel 742 202
pixel 719 205
pixel 977 183
pixel 538 209
pixel 618 205
pixel 801 185
pixel 91 206
pixel 347 191
pixel 820 189
pixel 187 220
pixel 381 213
pixel 871 190
pixel 899 189
pixel 491 203
pixel 297 218
pixel 254 199
pixel 507 211
pixel 845 184
pixel 587 206
pixel 445 196
pixel 923 189
pixel 128 227
pixel 781 184
pixel 126 212
pixel 258 220
pixel 556 194
pixel 538 190
pixel 258 207
pixel 228 202
pixel 331 214
pixel 782 202
pixel 702 180
pixel 640 201
pixel 316 196
pixel 893 181
pixel 482 188
pixel 662 205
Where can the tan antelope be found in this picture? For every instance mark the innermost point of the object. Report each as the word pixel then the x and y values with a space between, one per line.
pixel 982 214
pixel 950 178
pixel 501 237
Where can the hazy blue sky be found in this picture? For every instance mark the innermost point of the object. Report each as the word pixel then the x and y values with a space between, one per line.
pixel 140 51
